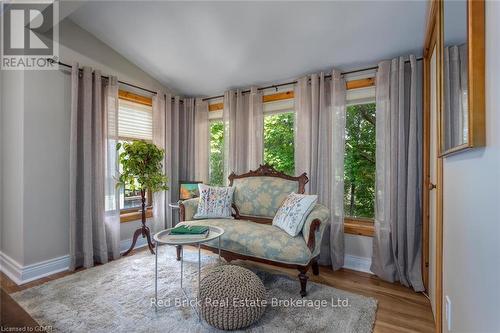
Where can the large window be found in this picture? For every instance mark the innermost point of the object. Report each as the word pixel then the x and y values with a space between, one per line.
pixel 135 122
pixel 359 162
pixel 216 171
pixel 279 141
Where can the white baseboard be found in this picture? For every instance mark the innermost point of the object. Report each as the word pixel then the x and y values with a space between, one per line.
pixel 11 268
pixel 23 274
pixel 360 264
pixel 125 244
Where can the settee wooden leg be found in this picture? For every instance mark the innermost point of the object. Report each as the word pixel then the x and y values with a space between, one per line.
pixel 315 267
pixel 303 281
pixel 178 248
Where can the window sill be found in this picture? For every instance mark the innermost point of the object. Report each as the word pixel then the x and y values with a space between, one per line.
pixel 359 226
pixel 135 216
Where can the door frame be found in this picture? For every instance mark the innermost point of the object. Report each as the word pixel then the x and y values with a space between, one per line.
pixel 433 41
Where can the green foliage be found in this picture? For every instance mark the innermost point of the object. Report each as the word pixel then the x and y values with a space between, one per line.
pixel 359 195
pixel 216 153
pixel 141 164
pixel 279 142
pixel 359 163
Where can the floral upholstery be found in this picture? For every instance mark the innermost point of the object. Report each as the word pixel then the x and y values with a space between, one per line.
pixel 321 213
pixel 259 240
pixel 263 240
pixel 262 196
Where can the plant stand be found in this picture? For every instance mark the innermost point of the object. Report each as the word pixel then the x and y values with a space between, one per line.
pixel 143 230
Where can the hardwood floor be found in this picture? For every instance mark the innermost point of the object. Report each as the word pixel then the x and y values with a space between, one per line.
pixel 399 308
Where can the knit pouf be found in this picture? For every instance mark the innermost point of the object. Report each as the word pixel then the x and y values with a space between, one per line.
pixel 231 297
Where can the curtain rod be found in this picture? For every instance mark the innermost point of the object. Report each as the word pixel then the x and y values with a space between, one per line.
pixel 221 96
pixel 104 76
pixel 295 82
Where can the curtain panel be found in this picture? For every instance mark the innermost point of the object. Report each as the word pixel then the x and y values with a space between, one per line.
pixel 243 131
pixel 201 141
pixel 319 151
pixel 93 198
pixel 160 203
pixel 182 130
pixel 255 129
pixel 187 139
pixel 166 136
pixel 194 139
pixel 397 248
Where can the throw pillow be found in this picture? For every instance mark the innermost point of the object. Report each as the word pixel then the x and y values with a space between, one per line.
pixel 293 212
pixel 215 202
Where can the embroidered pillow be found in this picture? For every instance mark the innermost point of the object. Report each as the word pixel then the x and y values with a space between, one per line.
pixel 293 212
pixel 215 202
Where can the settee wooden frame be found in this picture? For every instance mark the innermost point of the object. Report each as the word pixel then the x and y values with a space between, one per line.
pixel 268 171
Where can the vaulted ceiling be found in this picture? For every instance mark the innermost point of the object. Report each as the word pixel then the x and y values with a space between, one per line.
pixel 204 48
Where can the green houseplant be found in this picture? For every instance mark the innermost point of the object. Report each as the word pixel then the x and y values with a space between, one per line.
pixel 141 164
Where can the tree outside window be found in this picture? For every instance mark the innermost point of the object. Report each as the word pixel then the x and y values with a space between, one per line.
pixel 359 161
pixel 279 142
pixel 216 168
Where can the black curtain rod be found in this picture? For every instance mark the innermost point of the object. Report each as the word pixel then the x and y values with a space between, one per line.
pixel 104 76
pixel 295 82
pixel 221 96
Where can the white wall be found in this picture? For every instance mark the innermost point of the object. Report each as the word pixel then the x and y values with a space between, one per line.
pixel 12 163
pixel 35 140
pixel 472 211
pixel 358 252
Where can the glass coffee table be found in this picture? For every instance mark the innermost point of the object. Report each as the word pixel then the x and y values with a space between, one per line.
pixel 164 238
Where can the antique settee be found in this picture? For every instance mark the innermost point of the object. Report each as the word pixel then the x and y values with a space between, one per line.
pixel 251 236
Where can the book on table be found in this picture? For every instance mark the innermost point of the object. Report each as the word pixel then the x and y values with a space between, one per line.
pixel 185 232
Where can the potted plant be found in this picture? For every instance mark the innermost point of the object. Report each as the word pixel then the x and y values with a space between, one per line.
pixel 141 164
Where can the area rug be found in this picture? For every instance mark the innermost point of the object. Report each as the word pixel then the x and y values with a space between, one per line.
pixel 117 297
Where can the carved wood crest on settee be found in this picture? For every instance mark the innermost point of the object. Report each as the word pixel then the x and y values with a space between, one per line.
pixel 268 171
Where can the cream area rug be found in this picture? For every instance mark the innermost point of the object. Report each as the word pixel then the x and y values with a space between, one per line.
pixel 118 296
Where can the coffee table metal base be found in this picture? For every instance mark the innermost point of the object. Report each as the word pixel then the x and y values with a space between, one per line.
pixel 195 309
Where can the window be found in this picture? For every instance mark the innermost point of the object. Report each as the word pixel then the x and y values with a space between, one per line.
pixel 135 122
pixel 216 168
pixel 279 141
pixel 279 132
pixel 359 161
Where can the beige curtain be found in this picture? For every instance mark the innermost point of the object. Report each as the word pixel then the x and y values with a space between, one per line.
pixel 255 129
pixel 397 247
pixel 201 141
pixel 93 198
pixel 160 202
pixel 243 131
pixel 319 151
pixel 166 136
pixel 194 140
pixel 187 139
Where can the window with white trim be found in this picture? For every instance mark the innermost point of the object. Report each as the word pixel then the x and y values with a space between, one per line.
pixel 135 122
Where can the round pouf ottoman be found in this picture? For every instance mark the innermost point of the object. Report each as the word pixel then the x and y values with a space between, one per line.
pixel 231 297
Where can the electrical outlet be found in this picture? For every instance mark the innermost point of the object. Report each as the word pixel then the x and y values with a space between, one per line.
pixel 448 312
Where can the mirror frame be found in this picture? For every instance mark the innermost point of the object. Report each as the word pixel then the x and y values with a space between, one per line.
pixel 476 76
